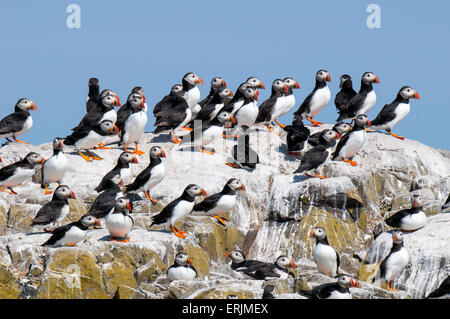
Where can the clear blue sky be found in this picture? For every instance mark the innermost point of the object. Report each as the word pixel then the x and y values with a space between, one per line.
pixel 153 43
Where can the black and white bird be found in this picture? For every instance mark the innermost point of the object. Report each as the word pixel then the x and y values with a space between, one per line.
pixel 71 234
pixel 19 122
pixel 353 141
pixel 190 83
pixel 93 98
pixel 270 107
pixel 208 132
pixel 169 100
pixel 446 204
pixel 346 92
pixel 182 268
pixel 213 107
pixel 296 137
pixel 19 172
pixel 315 158
pixel 243 156
pixel 393 113
pixel 326 258
pixel 316 101
pixel 409 219
pixel 279 269
pixel 363 101
pixel 239 264
pixel 333 290
pixel 221 202
pixel 86 137
pixel 106 200
pixel 246 115
pixel 217 85
pixel 340 127
pixel 288 101
pixel 442 290
pixel 151 176
pixel 178 209
pixel 55 167
pixel 119 222
pixel 394 264
pixel 122 168
pixel 134 122
pixel 55 210
pixel 239 97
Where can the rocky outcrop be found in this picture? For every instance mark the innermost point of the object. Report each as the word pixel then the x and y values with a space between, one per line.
pixel 273 217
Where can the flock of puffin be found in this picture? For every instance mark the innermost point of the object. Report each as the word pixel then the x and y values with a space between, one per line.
pixel 220 114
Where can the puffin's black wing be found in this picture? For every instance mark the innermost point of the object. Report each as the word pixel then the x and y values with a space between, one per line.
pixel 352 106
pixel 103 204
pixel 122 114
pixel 13 122
pixel 340 145
pixel 77 135
pixel 312 159
pixel 208 203
pixel 313 140
pixel 321 292
pixel 166 103
pixel 265 110
pixel 90 119
pixel 444 289
pixel 261 272
pixel 7 171
pixel 164 215
pixel 107 177
pixel 58 234
pixel 48 213
pixel 304 107
pixel 386 114
pixel 172 118
pixel 342 98
pixel 395 219
pixel 140 180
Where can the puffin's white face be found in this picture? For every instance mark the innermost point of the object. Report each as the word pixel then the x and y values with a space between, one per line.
pixel 195 190
pixel 123 204
pixel 285 262
pixel 110 100
pixel 362 120
pixel 397 237
pixel 127 157
pixel 157 151
pixel 343 128
pixel 347 281
pixel 63 192
pixel 26 105
pixel 182 259
pixel 225 93
pixel 236 184
pixel 369 77
pixel 108 127
pixel 330 135
pixel 136 100
pixel 89 220
pixel 107 92
pixel 250 93
pixel 177 89
pixel 193 79
pixel 57 144
pixel 409 93
pixel 255 83
pixel 218 82
pixel 236 256
pixel 35 158
pixel 291 83
pixel 318 233
pixel 279 85
pixel 323 76
pixel 226 117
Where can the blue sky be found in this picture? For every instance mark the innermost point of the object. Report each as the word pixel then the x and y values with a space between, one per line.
pixel 152 44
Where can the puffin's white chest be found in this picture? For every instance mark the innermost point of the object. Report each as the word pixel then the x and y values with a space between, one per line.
pixel 186 119
pixel 326 259
pixel 395 264
pixel 369 102
pixel 247 114
pixel 73 236
pixel 355 142
pixel 181 273
pixel 401 111
pixel 319 100
pixel 20 176
pixel 156 176
pixel 225 204
pixel 339 295
pixel 414 221
pixel 237 105
pixel 134 127
pixel 111 115
pixel 180 210
pixel 289 102
pixel 192 97
pixel 55 168
pixel 91 140
pixel 119 225
pixel 26 127
pixel 210 134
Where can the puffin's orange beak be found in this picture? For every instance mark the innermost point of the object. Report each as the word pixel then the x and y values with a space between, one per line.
pixel 72 195
pixel 190 260
pixel 416 95
pixel 203 192
pixel 115 129
pixel 293 265
pixel 1 161
pixel 261 85
pixel 233 119
pixel 328 78
pixel 33 107
pixel 243 187
pixel 368 123
pixel 199 81
pixel 376 80
pixel 228 253
pixel 223 83
pixel 42 161
pixel 129 206
pixel 296 85
pixel 311 234
pixel 134 160
pixel 162 154
pixel 97 222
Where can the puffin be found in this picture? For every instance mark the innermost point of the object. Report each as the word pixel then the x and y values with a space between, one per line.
pixel 318 156
pixel 279 269
pixel 316 101
pixel 213 107
pixel 297 136
pixel 346 93
pixel 442 290
pixel 71 234
pixel 334 290
pixel 270 107
pixel 394 264
pixel 169 100
pixel 409 219
pixel 55 210
pixel 151 176
pixel 105 201
pixel 85 137
pixel 446 204
pixel 19 122
pixel 17 173
pixel 92 101
pixel 134 124
pixel 246 115
pixel 173 116
pixel 238 99
pixel 239 264
pixel 182 268
pixel 55 167
pixel 221 202
pixel 122 168
pixel 140 90
pixel 178 208
pixel 208 131
pixel 243 156
pixel 267 292
pixel 326 258
pixel 353 141
pixel 340 127
pixel 217 85
pixel 119 222
pixel 393 113
pixel 363 101
pixel 288 100
pixel 190 84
